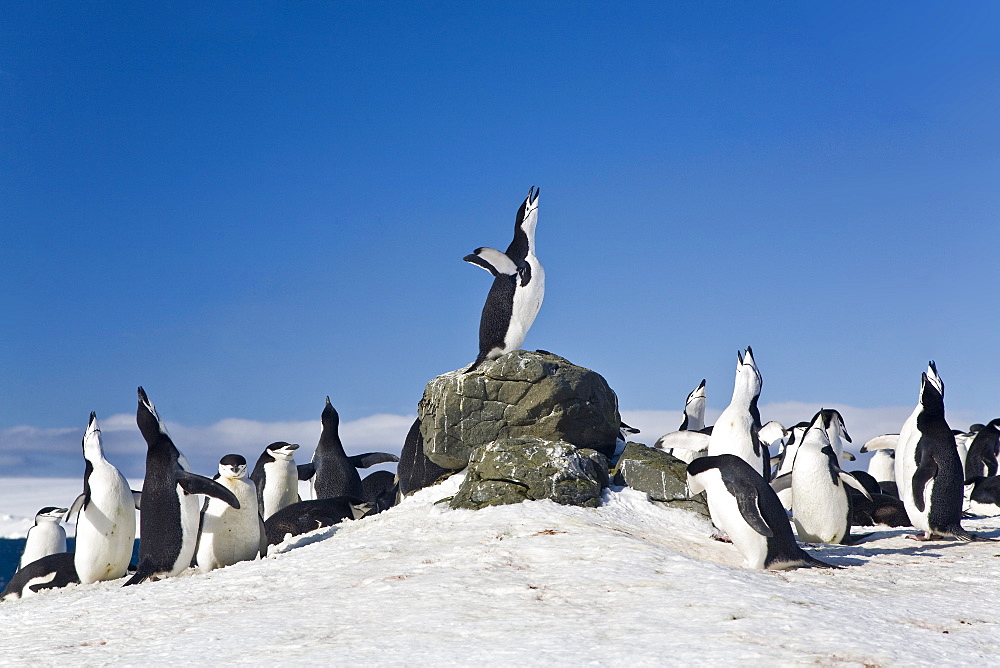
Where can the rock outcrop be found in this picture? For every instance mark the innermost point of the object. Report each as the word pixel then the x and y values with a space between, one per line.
pixel 511 470
pixel 661 475
pixel 519 394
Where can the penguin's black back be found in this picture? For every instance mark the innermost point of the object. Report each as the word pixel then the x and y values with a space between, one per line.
pixel 306 516
pixel 414 469
pixel 335 475
pixel 60 563
pixel 937 442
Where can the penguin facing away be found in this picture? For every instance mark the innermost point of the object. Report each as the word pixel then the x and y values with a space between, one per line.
pixel 306 516
pixel 229 535
pixel 170 509
pixel 47 536
pixel 736 430
pixel 415 470
pixel 332 472
pixel 276 478
pixel 982 458
pixel 743 505
pixel 906 443
pixel 518 286
pixel 936 492
pixel 105 527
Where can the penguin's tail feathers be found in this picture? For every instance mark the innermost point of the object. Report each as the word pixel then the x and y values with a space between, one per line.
pixel 142 573
pixel 801 560
pixel 959 533
pixel 475 365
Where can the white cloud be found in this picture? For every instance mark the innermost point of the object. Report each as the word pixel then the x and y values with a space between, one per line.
pixel 30 451
pixel 862 423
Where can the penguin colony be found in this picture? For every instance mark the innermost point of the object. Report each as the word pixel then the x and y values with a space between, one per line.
pixel 760 480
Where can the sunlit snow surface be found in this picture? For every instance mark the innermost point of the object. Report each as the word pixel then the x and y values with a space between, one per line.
pixel 535 583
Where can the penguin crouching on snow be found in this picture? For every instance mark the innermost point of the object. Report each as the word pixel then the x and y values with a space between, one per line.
pixel 518 286
pixel 170 508
pixel 743 505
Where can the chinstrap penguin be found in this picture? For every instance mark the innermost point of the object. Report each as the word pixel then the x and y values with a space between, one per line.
pixel 743 505
pixel 518 286
pixel 171 511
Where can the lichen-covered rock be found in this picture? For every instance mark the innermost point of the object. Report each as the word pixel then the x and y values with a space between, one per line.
pixel 661 475
pixel 512 470
pixel 518 394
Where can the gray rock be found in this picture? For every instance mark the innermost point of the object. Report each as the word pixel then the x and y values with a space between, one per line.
pixel 661 475
pixel 518 394
pixel 512 470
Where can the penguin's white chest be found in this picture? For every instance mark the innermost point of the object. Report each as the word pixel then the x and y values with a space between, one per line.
pixel 105 532
pixel 819 506
pixel 280 486
pixel 44 538
pixel 527 302
pixel 229 535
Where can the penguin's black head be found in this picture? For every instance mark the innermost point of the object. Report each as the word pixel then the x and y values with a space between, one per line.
pixel 233 466
pixel 330 417
pixel 931 397
pixel 527 213
pixel 976 427
pixel 233 460
pixel 51 511
pixel 281 445
pixel 148 419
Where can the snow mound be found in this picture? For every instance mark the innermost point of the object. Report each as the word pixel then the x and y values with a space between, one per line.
pixel 533 583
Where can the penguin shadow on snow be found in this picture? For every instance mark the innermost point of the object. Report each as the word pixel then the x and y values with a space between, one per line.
pixel 863 552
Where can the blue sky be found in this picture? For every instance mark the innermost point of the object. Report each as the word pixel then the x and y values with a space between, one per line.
pixel 245 207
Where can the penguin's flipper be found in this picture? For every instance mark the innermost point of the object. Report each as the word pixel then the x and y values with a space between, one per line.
pixel 855 483
pixel 192 483
pixel 883 442
pixel 746 501
pixel 492 260
pixel 371 459
pixel 684 440
pixel 78 505
pixel 137 499
pixel 263 537
pixel 925 472
pixel 306 471
pixel 782 482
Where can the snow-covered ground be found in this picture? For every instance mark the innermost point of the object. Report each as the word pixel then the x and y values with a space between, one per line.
pixel 534 583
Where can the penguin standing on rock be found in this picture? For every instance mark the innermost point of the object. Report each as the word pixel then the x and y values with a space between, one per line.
pixel 518 287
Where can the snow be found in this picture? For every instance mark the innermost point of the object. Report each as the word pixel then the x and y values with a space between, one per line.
pixel 534 583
